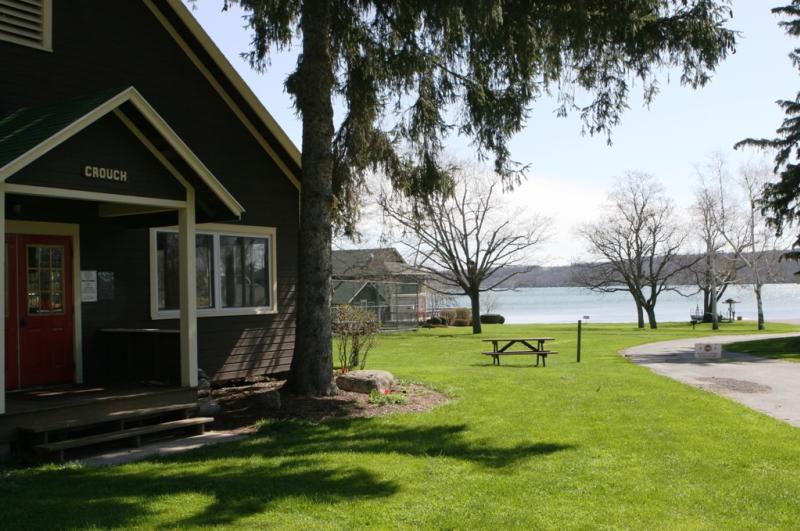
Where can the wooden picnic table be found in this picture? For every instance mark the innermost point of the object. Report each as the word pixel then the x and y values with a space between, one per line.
pixel 533 346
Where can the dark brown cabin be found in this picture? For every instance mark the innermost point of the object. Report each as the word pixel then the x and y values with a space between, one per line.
pixel 150 203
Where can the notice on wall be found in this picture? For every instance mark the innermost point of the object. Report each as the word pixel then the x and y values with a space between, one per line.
pixel 105 285
pixel 88 286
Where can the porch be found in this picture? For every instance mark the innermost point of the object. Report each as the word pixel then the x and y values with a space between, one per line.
pixel 74 407
pixel 81 185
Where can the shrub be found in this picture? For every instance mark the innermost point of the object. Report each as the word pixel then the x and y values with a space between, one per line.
pixel 356 330
pixel 462 322
pixel 447 316
pixel 464 313
pixel 450 315
pixel 492 318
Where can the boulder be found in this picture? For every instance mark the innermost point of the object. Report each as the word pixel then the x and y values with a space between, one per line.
pixel 207 407
pixel 270 399
pixel 365 381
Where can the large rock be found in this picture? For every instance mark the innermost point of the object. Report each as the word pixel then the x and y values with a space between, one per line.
pixel 365 381
pixel 270 399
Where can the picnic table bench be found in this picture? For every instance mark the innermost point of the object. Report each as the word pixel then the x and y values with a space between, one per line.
pixel 528 346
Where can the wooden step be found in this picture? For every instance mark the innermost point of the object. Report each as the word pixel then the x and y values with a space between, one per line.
pixel 130 433
pixel 117 416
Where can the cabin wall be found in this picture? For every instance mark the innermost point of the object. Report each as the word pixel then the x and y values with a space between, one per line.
pixel 100 45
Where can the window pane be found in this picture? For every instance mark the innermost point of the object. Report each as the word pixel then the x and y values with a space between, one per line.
pixel 168 263
pixel 244 271
pixel 57 257
pixel 45 279
pixel 205 271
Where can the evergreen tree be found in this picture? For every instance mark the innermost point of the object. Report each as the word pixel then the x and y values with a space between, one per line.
pixel 409 73
pixel 781 199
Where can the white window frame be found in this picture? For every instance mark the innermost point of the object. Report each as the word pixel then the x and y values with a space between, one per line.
pixel 217 230
pixel 47 31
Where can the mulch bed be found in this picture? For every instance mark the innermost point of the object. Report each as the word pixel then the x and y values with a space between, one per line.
pixel 242 406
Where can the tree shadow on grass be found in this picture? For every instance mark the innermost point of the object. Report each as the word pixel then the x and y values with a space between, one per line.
pixel 229 489
pixel 298 438
pixel 226 483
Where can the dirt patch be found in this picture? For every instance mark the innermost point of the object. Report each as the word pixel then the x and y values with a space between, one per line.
pixel 242 406
pixel 737 386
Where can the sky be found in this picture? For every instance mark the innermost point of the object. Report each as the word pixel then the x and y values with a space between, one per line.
pixel 570 175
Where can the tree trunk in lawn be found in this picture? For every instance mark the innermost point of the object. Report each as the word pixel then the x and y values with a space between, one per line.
pixel 651 316
pixel 759 305
pixel 475 299
pixel 711 269
pixel 639 313
pixel 312 363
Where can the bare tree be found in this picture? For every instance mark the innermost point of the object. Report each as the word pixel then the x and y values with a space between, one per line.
pixel 716 271
pixel 466 240
pixel 637 245
pixel 745 228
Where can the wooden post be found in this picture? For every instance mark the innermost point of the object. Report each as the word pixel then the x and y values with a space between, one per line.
pixel 188 292
pixel 2 298
pixel 579 340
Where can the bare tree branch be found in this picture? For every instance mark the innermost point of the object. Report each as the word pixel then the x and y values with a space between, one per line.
pixel 462 239
pixel 637 245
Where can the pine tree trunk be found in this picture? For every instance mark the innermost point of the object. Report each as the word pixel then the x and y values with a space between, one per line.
pixel 475 299
pixel 312 364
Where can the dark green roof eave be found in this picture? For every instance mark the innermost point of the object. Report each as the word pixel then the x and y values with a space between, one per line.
pixel 27 127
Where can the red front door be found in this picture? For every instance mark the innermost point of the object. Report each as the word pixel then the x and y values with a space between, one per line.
pixel 39 319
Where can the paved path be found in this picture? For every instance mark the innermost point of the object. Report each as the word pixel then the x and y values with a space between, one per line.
pixel 769 386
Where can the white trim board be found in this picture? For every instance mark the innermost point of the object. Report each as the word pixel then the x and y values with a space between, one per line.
pixel 66 193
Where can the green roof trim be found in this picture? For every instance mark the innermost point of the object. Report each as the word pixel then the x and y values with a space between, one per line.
pixel 26 128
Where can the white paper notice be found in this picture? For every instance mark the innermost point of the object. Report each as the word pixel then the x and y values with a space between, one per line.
pixel 88 286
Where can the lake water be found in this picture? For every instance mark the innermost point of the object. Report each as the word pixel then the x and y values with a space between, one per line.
pixel 567 305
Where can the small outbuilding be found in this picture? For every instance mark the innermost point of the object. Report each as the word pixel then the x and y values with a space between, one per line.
pixel 382 281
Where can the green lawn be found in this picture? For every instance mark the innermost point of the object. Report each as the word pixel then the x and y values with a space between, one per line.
pixel 600 444
pixel 786 348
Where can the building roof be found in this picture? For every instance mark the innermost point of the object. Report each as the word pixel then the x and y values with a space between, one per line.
pixel 344 291
pixel 376 264
pixel 26 128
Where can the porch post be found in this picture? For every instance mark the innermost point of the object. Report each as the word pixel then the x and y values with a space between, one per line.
pixel 2 298
pixel 188 292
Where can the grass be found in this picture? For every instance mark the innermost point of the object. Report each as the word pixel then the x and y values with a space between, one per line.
pixel 786 348
pixel 600 444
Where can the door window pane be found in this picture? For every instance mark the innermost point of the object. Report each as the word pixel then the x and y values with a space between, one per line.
pixel 45 279
pixel 244 274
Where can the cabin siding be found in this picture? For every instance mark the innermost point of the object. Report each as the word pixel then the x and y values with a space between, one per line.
pixel 100 45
